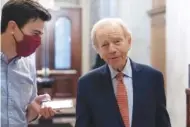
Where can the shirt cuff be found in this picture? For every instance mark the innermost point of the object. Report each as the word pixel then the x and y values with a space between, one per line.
pixel 36 118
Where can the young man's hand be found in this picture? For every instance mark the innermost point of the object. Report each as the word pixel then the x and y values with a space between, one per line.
pixel 36 105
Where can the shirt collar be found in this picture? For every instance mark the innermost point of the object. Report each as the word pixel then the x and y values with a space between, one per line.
pixel 127 71
pixel 4 58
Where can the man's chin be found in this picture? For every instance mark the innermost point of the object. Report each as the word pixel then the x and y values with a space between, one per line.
pixel 115 67
pixel 115 62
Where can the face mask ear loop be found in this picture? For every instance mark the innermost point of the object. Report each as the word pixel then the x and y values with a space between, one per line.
pixel 14 38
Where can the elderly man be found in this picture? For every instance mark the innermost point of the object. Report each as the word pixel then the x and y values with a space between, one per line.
pixel 22 23
pixel 121 93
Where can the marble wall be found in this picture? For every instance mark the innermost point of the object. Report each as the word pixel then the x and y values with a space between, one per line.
pixel 2 2
pixel 177 58
pixel 100 9
pixel 94 17
pixel 67 3
pixel 85 4
pixel 134 14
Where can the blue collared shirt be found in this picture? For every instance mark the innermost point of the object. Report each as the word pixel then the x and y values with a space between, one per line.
pixel 18 89
pixel 127 71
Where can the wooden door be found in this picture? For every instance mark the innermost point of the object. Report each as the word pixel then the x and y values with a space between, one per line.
pixel 59 56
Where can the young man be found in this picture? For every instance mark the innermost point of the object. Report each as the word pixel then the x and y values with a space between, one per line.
pixel 22 25
pixel 121 93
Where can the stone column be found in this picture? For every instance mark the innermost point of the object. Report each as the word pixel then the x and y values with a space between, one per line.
pixel 158 43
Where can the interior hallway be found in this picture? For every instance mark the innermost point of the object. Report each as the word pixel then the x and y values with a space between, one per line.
pixel 160 38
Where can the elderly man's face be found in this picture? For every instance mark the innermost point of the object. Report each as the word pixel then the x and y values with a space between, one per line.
pixel 113 45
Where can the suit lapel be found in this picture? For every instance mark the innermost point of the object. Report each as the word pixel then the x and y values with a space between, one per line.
pixel 136 70
pixel 110 98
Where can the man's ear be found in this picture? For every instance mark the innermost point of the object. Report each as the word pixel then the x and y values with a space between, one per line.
pixel 98 52
pixel 11 26
pixel 129 40
pixel 100 56
pixel 96 48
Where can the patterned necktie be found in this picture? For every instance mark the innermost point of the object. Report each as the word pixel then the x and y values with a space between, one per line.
pixel 122 99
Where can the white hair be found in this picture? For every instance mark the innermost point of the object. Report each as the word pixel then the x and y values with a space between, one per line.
pixel 106 21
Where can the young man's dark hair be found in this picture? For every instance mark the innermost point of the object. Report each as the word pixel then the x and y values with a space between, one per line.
pixel 14 10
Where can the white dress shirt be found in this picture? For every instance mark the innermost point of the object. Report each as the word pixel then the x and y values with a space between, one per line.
pixel 127 71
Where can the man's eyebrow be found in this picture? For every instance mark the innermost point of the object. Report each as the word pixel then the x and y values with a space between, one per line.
pixel 118 38
pixel 38 31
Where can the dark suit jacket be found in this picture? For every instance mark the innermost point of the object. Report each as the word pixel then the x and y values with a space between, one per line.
pixel 97 106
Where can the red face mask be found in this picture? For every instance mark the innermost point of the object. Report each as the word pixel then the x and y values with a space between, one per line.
pixel 28 45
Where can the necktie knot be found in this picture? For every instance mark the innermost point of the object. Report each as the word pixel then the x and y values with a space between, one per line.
pixel 119 76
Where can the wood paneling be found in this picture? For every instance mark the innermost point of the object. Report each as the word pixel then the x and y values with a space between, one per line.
pixel 65 79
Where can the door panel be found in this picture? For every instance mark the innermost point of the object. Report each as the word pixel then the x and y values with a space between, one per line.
pixel 59 57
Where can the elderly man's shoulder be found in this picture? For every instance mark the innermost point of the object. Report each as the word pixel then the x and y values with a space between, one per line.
pixel 148 69
pixel 93 74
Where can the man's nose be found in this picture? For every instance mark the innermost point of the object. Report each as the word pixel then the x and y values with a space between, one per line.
pixel 112 49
